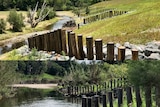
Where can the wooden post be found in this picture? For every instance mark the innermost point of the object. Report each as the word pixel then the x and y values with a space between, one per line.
pixel 41 42
pixel 89 43
pixel 80 47
pixel 99 49
pixel 104 100
pixel 63 39
pixel 110 13
pixel 73 45
pixel 89 101
pixel 121 53
pixel 52 41
pixel 31 42
pixel 69 90
pixel 96 100
pixel 134 54
pixel 84 21
pixel 120 97
pixel 129 95
pixel 138 97
pixel 110 98
pixel 69 44
pixel 110 52
pixel 84 101
pixel 78 26
pixel 46 41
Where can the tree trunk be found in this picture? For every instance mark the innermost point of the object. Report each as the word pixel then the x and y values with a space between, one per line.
pixel 148 96
pixel 158 95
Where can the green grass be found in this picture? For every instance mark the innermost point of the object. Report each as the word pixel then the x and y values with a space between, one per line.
pixel 143 15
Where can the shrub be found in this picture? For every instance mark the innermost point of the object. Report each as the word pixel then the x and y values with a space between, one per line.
pixel 2 25
pixel 16 20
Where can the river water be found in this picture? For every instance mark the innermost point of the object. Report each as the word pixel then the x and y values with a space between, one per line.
pixel 39 98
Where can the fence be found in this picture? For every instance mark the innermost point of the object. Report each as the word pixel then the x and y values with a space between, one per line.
pixel 114 93
pixel 72 45
pixel 102 15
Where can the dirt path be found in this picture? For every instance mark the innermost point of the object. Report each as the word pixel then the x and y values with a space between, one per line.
pixel 35 86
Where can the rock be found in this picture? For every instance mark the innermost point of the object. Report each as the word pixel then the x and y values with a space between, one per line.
pixel 153 56
pixel 127 45
pixel 140 48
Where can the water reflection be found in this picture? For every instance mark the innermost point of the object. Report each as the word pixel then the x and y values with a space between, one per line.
pixel 39 98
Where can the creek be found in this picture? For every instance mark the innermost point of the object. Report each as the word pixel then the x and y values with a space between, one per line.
pixel 26 97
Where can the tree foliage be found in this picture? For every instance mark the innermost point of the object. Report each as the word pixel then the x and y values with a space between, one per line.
pixel 16 21
pixel 2 26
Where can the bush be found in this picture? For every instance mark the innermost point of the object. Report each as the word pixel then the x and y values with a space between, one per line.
pixel 2 25
pixel 16 20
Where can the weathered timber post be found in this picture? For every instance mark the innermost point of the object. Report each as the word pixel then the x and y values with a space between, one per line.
pixel 111 86
pixel 31 42
pixel 84 101
pixel 134 54
pixel 52 41
pixel 37 42
pixel 110 52
pixel 110 13
pixel 99 49
pixel 110 98
pixel 80 47
pixel 129 95
pixel 104 100
pixel 41 42
pixel 96 97
pixel 120 97
pixel 89 43
pixel 46 41
pixel 63 39
pixel 138 97
pixel 78 26
pixel 89 101
pixel 84 21
pixel 59 40
pixel 121 53
pixel 69 44
pixel 73 45
pixel 69 90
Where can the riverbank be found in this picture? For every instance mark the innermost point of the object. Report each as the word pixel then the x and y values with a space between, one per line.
pixel 35 86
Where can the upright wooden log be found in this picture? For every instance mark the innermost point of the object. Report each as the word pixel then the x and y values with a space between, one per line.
pixel 110 13
pixel 89 101
pixel 89 43
pixel 96 100
pixel 110 52
pixel 84 21
pixel 58 42
pixel 52 41
pixel 46 41
pixel 80 47
pixel 120 97
pixel 69 44
pixel 73 45
pixel 134 54
pixel 129 95
pixel 138 97
pixel 31 42
pixel 99 49
pixel 41 40
pixel 121 53
pixel 110 98
pixel 84 101
pixel 63 38
pixel 104 100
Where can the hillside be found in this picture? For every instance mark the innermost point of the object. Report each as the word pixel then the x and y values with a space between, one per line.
pixel 140 25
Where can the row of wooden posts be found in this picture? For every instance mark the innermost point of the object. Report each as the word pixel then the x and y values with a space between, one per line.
pixel 72 45
pixel 107 100
pixel 94 89
pixel 103 15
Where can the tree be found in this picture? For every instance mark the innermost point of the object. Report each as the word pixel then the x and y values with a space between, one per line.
pixel 33 14
pixel 146 74
pixel 2 26
pixel 16 20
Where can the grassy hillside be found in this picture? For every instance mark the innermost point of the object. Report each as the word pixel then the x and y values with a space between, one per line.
pixel 142 15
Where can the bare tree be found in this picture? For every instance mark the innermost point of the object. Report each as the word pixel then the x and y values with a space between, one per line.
pixel 33 14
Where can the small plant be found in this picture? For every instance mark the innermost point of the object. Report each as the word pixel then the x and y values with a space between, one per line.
pixel 16 20
pixel 2 26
